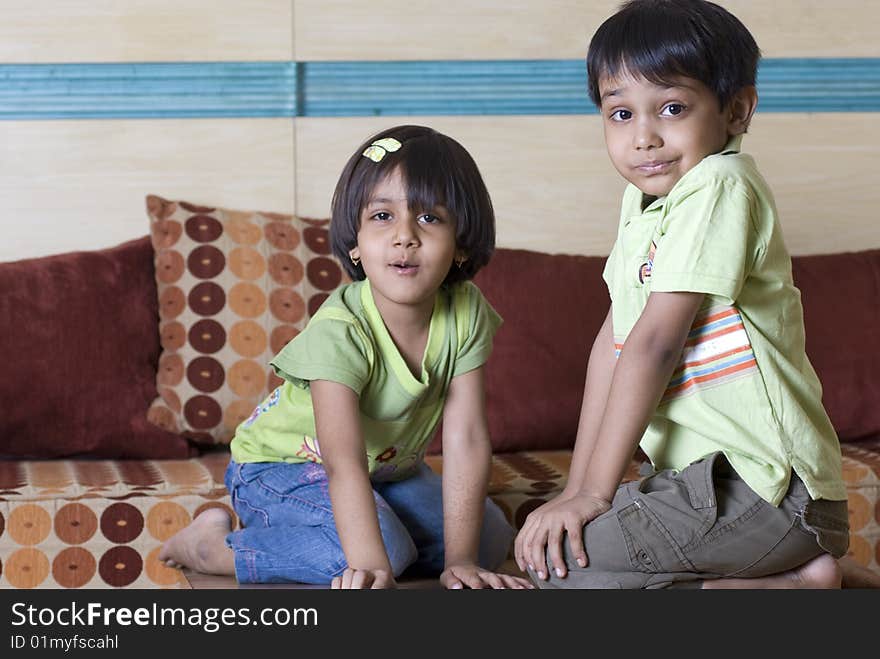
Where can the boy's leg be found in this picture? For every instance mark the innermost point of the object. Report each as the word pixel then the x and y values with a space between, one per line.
pixel 418 502
pixel 700 524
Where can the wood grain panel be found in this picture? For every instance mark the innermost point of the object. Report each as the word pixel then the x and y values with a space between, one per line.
pixel 80 185
pixel 145 30
pixel 67 185
pixel 823 169
pixel 554 189
pixel 532 29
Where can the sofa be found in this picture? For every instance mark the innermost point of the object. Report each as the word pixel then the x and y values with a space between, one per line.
pixel 126 369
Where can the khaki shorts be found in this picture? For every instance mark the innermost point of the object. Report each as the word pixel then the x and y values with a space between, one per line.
pixel 676 529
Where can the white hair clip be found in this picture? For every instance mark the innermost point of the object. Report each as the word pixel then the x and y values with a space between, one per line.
pixel 377 150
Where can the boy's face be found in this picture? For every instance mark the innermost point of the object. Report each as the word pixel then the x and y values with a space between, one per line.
pixel 655 134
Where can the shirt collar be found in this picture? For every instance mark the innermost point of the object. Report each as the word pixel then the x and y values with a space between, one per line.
pixel 734 145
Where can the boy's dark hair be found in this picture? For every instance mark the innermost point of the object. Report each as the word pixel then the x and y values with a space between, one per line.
pixel 437 171
pixel 661 39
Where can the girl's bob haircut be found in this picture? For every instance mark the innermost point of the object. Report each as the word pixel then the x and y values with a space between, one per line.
pixel 437 171
pixel 659 40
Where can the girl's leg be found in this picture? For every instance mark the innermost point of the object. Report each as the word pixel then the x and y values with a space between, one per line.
pixel 201 546
pixel 418 502
pixel 289 532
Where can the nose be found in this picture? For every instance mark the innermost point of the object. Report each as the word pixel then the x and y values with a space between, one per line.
pixel 646 135
pixel 405 234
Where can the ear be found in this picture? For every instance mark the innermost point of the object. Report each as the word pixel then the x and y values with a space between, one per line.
pixel 460 257
pixel 740 110
pixel 354 253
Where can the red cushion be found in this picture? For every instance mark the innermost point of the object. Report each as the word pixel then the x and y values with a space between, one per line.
pixel 79 350
pixel 553 307
pixel 841 298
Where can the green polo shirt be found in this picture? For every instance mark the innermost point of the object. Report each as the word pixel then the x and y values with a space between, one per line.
pixel 347 342
pixel 744 384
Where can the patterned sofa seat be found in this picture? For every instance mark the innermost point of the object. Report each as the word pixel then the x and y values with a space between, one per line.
pixel 100 524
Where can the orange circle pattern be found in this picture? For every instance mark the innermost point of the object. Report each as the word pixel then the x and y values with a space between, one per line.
pixel 75 523
pixel 26 568
pixel 248 338
pixel 74 567
pixel 234 286
pixel 859 511
pixel 29 524
pixel 158 572
pixel 165 519
pixel 247 263
pixel 246 378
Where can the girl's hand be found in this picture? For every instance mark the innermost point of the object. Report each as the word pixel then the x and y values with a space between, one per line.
pixel 354 579
pixel 544 529
pixel 456 577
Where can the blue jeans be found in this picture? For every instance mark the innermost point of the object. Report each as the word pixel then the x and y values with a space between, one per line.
pixel 289 533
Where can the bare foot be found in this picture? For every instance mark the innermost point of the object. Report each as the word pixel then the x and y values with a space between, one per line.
pixel 201 546
pixel 821 572
pixel 856 576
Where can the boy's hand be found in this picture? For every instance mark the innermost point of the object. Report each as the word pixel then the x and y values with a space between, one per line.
pixel 353 579
pixel 472 576
pixel 544 528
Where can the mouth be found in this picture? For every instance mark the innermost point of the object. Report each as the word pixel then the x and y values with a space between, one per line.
pixel 654 167
pixel 404 267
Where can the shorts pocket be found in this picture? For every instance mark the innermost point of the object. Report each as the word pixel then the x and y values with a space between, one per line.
pixel 650 546
pixel 684 501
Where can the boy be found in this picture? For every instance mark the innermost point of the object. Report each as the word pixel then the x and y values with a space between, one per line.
pixel 711 379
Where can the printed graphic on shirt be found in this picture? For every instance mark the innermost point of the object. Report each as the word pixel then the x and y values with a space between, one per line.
pixel 309 449
pixel 264 407
pixel 717 350
pixel 393 465
pixel 648 266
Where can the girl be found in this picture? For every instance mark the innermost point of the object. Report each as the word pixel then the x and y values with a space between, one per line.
pixel 327 474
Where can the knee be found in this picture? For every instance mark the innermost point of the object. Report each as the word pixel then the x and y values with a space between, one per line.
pixel 495 537
pixel 401 552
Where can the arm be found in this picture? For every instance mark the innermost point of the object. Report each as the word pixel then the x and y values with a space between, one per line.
pixel 467 455
pixel 612 432
pixel 351 494
pixel 652 351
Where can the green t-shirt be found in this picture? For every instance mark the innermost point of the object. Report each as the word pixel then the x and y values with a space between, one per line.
pixel 744 384
pixel 347 342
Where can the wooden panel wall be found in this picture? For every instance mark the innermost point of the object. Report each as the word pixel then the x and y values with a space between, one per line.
pixel 79 184
pixel 555 29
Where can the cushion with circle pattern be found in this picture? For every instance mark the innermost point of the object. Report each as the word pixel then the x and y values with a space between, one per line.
pixel 234 287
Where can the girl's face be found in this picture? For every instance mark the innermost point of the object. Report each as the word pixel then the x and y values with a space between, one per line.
pixel 406 254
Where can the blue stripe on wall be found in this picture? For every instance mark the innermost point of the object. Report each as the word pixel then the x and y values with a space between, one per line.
pixel 131 91
pixel 353 89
